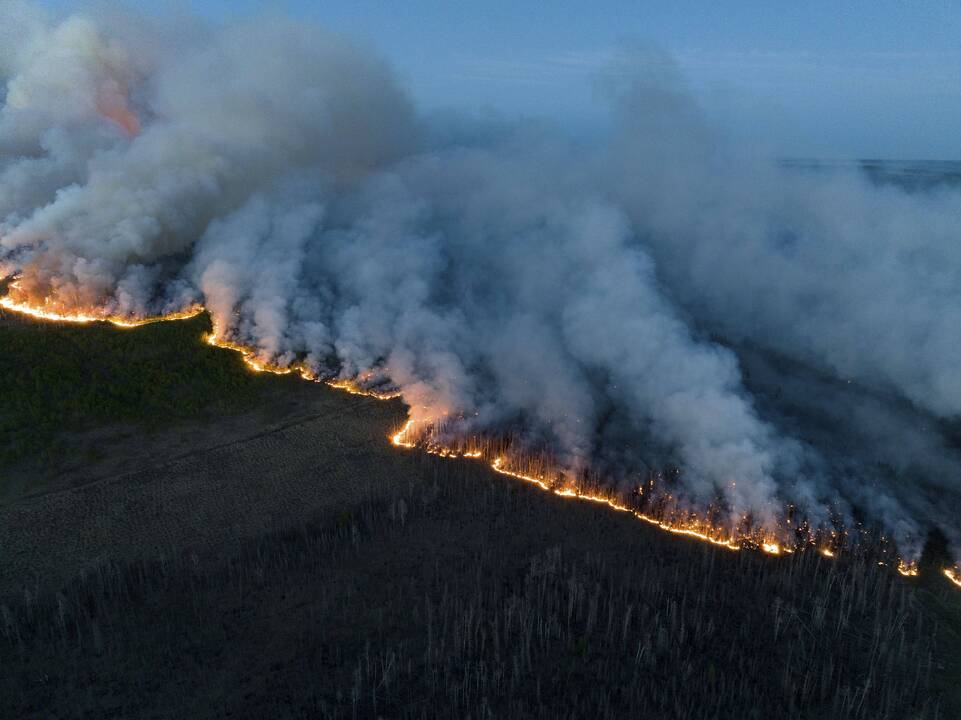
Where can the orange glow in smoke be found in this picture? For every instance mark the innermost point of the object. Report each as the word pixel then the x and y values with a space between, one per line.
pixel 114 107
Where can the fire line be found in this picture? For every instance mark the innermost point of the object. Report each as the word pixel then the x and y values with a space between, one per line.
pixel 403 437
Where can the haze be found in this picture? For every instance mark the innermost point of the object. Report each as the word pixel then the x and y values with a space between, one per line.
pixel 866 79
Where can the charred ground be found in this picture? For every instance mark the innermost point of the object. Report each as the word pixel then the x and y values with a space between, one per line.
pixel 184 539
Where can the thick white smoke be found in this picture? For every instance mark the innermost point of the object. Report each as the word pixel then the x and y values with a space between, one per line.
pixel 280 176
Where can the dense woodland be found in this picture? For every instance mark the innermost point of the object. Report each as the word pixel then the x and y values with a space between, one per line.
pixel 461 594
pixel 57 378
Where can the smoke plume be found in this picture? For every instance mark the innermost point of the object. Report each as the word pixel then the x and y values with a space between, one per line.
pixel 652 300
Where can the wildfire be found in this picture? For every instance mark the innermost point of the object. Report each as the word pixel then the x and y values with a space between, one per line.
pixel 354 389
pixel 8 303
pixel 400 438
pixel 694 530
pixel 251 360
pixel 907 569
pixel 405 437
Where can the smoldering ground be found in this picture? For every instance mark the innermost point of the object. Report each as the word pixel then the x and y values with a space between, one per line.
pixel 651 299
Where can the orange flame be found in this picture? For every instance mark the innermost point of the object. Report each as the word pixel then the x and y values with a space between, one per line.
pixel 908 569
pixel 405 438
pixel 8 303
pixel 400 438
pixel 249 356
pixel 693 530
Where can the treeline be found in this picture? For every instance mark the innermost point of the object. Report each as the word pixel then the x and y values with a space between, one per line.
pixel 59 377
pixel 467 595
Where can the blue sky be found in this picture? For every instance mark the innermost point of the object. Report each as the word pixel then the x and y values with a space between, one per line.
pixel 815 78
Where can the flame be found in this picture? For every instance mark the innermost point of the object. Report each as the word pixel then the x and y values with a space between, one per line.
pixel 908 569
pixel 354 389
pixel 8 303
pixel 400 438
pixel 691 527
pixel 694 530
pixel 251 360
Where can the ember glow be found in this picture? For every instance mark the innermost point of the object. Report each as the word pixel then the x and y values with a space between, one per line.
pixel 253 362
pixel 401 437
pixel 249 356
pixel 352 387
pixel 116 109
pixel 953 575
pixel 41 312
pixel 692 530
pixel 406 438
pixel 589 302
pixel 691 527
pixel 908 569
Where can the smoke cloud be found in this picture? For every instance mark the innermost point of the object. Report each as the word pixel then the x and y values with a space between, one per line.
pixel 652 300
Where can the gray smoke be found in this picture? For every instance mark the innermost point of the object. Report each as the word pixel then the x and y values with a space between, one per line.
pixel 650 300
